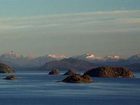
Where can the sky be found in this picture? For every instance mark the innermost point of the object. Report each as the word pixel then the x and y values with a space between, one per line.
pixel 70 27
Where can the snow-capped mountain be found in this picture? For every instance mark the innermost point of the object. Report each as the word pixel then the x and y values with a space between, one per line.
pixel 57 56
pixel 11 55
pixel 17 60
pixel 135 57
pixel 87 57
pixel 112 58
pixel 14 59
pixel 47 58
pixel 92 57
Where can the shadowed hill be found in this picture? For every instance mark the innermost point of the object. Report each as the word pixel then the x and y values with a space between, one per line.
pixel 69 63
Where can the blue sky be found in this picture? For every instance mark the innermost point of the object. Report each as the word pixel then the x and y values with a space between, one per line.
pixel 45 7
pixel 71 27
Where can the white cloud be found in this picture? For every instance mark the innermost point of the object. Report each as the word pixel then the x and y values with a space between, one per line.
pixel 81 32
pixel 91 19
pixel 71 24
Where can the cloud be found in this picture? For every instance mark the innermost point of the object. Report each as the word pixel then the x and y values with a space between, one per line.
pixel 91 19
pixel 76 32
pixel 89 22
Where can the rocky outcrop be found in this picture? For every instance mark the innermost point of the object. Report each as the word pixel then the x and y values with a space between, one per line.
pixel 54 72
pixel 10 77
pixel 111 72
pixel 78 79
pixel 70 72
pixel 5 68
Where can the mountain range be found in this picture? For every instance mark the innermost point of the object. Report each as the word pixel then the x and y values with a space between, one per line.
pixel 17 60
pixel 81 62
pixel 68 63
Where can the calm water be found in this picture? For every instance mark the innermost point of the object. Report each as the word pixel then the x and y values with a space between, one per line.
pixel 36 88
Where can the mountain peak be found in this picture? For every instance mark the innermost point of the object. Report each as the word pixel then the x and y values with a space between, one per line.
pixel 11 54
pixel 113 57
pixel 135 57
pixel 90 56
pixel 57 56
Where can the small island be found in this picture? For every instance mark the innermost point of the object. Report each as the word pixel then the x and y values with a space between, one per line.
pixel 4 68
pixel 110 72
pixel 54 72
pixel 78 79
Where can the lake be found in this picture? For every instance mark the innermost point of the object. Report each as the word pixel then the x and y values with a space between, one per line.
pixel 38 88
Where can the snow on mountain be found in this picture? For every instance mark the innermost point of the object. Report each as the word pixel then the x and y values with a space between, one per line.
pixel 93 58
pixel 41 60
pixel 57 56
pixel 14 59
pixel 114 57
pixel 88 57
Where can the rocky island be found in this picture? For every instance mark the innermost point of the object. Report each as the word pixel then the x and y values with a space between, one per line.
pixel 78 79
pixel 6 69
pixel 110 72
pixel 10 77
pixel 54 72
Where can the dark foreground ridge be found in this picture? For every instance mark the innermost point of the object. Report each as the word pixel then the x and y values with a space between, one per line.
pixel 110 72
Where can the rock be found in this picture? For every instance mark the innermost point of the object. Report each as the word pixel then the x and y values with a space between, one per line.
pixel 70 72
pixel 111 72
pixel 54 72
pixel 10 77
pixel 5 68
pixel 78 79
